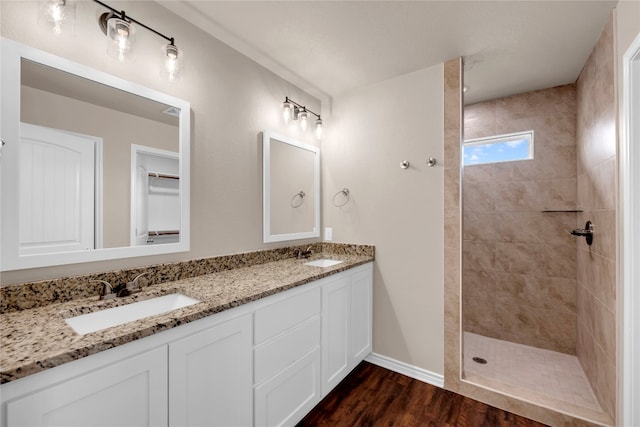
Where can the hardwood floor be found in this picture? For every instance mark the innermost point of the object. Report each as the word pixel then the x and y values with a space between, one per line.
pixel 375 396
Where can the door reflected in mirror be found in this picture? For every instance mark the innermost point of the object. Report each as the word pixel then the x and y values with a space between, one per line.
pixel 291 189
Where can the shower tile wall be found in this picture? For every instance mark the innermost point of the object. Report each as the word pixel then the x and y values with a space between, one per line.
pixel 596 264
pixel 519 274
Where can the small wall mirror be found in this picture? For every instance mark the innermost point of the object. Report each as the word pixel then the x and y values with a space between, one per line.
pixel 291 189
pixel 94 167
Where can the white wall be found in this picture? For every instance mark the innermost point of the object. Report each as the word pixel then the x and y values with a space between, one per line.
pixel 400 211
pixel 232 100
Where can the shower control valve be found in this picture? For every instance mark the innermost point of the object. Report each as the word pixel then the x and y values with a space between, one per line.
pixel 586 232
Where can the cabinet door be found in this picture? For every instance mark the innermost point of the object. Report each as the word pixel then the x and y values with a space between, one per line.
pixel 130 392
pixel 210 376
pixel 361 306
pixel 286 398
pixel 335 333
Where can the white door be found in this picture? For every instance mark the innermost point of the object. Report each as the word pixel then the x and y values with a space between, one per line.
pixel 286 398
pixel 210 375
pixel 57 191
pixel 130 392
pixel 360 312
pixel 335 333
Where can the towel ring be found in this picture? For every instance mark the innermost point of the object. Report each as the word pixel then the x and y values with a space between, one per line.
pixel 345 193
pixel 294 203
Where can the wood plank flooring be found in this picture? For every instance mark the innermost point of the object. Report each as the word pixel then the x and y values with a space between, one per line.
pixel 375 396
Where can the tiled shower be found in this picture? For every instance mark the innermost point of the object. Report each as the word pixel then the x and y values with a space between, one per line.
pixel 526 280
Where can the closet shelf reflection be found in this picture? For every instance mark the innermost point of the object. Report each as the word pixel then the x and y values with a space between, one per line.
pixel 163 175
pixel 164 232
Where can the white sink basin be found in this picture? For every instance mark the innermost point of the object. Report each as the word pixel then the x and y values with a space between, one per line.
pixel 98 320
pixel 322 263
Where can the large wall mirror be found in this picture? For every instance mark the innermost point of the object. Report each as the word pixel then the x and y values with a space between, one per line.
pixel 291 189
pixel 93 167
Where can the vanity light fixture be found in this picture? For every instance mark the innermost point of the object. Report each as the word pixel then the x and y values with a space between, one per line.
pixel 56 13
pixel 287 111
pixel 319 128
pixel 121 35
pixel 303 116
pixel 172 61
pixel 120 31
pixel 293 110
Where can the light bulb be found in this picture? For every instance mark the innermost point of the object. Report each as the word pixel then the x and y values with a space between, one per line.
pixel 319 128
pixel 120 34
pixel 123 47
pixel 55 12
pixel 287 110
pixel 303 116
pixel 172 62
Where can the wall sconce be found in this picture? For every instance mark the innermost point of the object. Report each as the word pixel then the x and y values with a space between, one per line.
pixel 120 32
pixel 120 36
pixel 291 110
pixel 56 13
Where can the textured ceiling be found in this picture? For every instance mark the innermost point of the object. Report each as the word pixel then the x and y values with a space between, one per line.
pixel 332 47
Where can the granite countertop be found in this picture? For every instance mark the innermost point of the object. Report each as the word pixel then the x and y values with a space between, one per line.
pixel 37 339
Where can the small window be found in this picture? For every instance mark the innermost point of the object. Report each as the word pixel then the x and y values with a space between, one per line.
pixel 499 148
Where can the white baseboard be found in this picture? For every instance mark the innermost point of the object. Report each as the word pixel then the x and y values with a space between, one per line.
pixel 406 369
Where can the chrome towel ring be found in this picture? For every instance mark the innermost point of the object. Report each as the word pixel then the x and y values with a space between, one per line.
pixel 297 200
pixel 345 194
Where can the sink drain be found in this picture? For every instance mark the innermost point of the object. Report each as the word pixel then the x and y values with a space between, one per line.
pixel 480 360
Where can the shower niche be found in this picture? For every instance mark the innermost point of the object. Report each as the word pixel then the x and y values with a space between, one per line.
pixel 155 196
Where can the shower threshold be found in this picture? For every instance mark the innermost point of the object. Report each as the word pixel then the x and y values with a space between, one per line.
pixel 543 377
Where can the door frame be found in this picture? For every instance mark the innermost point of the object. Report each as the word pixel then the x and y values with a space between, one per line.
pixel 629 239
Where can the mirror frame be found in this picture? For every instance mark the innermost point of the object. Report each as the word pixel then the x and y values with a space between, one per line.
pixel 267 136
pixel 12 54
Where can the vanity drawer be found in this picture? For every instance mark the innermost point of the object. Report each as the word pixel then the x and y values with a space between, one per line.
pixel 285 314
pixel 286 398
pixel 276 355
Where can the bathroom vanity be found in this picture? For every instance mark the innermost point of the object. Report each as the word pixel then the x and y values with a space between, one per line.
pixel 248 359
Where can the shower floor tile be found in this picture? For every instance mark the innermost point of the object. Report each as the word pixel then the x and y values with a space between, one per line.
pixel 542 376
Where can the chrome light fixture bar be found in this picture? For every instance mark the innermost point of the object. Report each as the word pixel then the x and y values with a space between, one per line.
pixel 117 26
pixel 291 110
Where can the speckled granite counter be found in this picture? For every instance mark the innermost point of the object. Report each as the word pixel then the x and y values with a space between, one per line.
pixel 37 339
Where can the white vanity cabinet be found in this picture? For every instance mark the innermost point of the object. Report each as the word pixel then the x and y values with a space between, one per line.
pixel 126 392
pixel 346 325
pixel 210 376
pixel 265 363
pixel 198 374
pixel 307 342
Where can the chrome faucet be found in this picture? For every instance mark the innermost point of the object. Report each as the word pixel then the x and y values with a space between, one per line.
pixel 131 287
pixel 300 254
pixel 106 291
